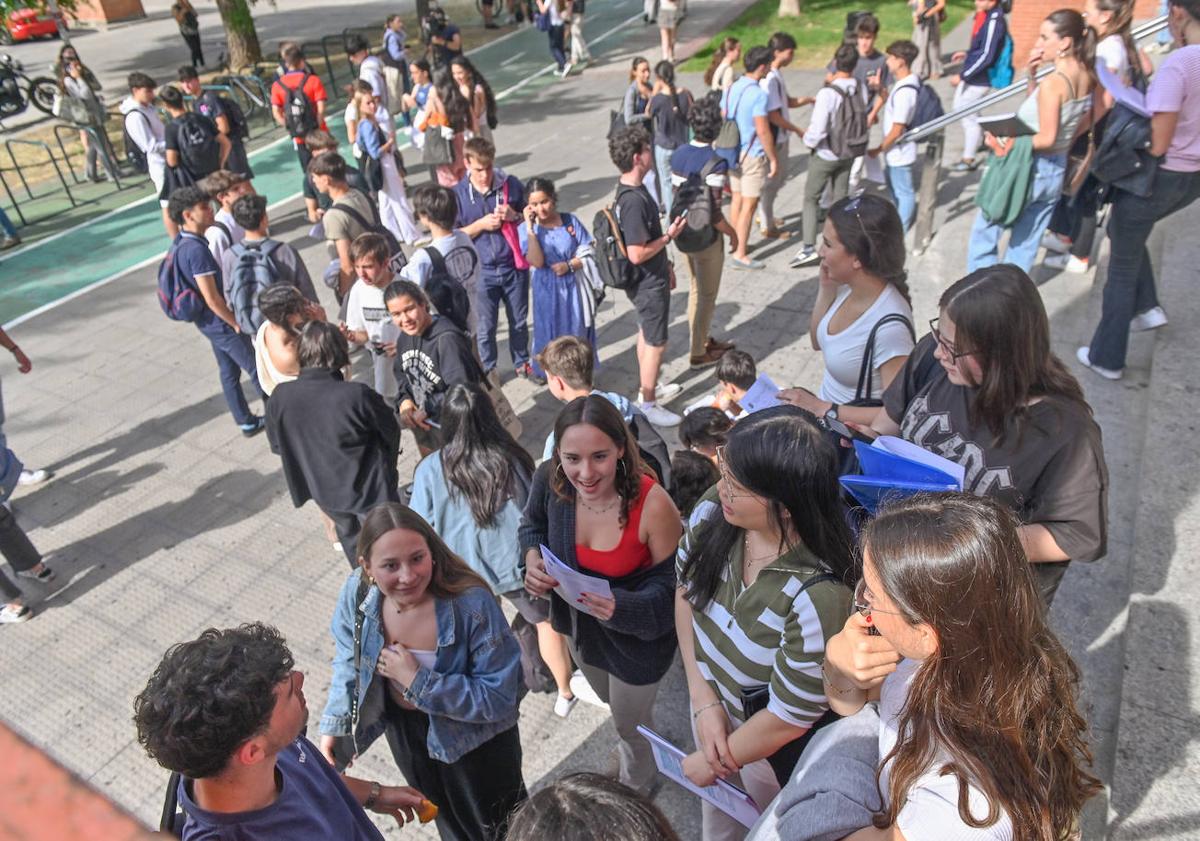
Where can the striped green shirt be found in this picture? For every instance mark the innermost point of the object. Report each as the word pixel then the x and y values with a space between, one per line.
pixel 769 633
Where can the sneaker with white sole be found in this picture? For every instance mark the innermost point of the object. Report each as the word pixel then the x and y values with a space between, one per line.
pixel 33 477
pixel 1151 319
pixel 1084 356
pixel 1055 242
pixel 659 416
pixel 582 690
pixel 563 706
pixel 1067 263
pixel 12 614
pixel 806 256
pixel 663 393
pixel 43 576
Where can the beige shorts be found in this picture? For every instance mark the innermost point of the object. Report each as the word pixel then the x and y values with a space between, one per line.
pixel 749 178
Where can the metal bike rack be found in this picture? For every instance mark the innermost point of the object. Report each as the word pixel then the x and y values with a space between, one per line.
pixel 37 144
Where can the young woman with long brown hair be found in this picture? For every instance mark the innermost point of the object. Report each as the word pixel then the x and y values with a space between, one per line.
pixel 980 733
pixel 983 389
pixel 720 72
pixel 425 657
pixel 593 505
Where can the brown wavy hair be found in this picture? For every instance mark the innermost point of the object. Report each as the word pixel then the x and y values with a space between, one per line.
pixel 451 574
pixel 598 412
pixel 728 45
pixel 999 317
pixel 998 697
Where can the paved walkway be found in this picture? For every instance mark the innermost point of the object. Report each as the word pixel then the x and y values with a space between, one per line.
pixel 163 520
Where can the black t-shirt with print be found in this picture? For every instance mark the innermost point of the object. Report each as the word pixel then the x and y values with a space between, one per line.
pixel 637 214
pixel 1049 468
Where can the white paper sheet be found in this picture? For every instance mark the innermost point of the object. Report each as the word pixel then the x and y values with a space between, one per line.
pixel 907 449
pixel 572 584
pixel 873 168
pixel 1131 98
pixel 725 796
pixel 762 395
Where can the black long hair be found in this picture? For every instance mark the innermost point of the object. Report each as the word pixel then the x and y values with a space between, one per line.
pixel 477 78
pixel 665 71
pixel 780 455
pixel 458 107
pixel 480 459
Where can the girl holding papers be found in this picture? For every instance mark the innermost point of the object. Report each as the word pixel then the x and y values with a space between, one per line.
pixel 764 573
pixel 984 390
pixel 980 734
pixel 594 507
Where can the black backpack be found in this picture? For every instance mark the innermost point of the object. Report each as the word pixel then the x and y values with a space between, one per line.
pixel 239 129
pixel 133 152
pixel 612 259
pixel 397 261
pixel 929 106
pixel 299 114
pixel 695 196
pixel 199 153
pixel 446 292
pixel 848 129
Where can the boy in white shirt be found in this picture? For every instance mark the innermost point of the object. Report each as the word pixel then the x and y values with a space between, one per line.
pixel 224 233
pixel 900 159
pixel 148 133
pixel 436 209
pixel 367 321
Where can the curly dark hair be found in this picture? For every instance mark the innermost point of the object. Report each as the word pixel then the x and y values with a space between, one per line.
pixel 208 696
pixel 625 144
pixel 705 119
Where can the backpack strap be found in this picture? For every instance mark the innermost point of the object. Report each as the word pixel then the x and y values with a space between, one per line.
pixel 223 228
pixel 437 259
pixel 866 373
pixel 372 226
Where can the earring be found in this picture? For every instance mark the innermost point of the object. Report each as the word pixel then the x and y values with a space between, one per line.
pixel 560 470
pixel 621 467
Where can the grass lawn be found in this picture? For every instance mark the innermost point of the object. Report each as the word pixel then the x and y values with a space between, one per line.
pixel 818 30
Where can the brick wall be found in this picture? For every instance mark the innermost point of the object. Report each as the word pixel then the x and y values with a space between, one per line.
pixel 1027 17
pixel 108 11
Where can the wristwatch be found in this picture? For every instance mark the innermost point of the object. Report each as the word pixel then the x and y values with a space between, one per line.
pixel 376 789
pixel 832 412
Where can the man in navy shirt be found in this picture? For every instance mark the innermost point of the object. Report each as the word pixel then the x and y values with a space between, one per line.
pixel 227 712
pixel 487 198
pixel 214 107
pixel 699 161
pixel 191 209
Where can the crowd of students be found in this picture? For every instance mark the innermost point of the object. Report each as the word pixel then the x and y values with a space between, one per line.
pixel 790 610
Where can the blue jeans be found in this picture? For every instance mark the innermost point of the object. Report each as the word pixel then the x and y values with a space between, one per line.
pixel 1129 288
pixel 900 182
pixel 235 354
pixel 662 169
pixel 512 287
pixel 1026 237
pixel 6 224
pixel 556 46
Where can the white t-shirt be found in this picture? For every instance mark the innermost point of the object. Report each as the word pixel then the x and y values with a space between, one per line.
pixel 1112 52
pixel 777 97
pixel 900 106
pixel 371 72
pixel 218 243
pixel 462 262
pixel 931 810
pixel 365 310
pixel 844 351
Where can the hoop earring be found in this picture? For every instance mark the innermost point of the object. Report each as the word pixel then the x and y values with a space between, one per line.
pixel 559 470
pixel 621 467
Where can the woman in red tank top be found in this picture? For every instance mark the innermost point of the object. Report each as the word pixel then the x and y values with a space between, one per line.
pixel 593 507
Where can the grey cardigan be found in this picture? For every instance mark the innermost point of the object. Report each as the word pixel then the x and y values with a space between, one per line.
pixel 638 643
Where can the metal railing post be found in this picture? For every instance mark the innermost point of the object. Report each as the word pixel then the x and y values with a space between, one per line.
pixel 53 161
pixel 931 174
pixel 13 200
pixel 58 129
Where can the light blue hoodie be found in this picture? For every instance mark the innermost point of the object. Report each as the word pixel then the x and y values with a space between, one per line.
pixel 624 406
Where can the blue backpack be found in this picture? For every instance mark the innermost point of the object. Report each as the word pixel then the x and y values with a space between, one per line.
pixel 252 272
pixel 180 301
pixel 1000 74
pixel 929 106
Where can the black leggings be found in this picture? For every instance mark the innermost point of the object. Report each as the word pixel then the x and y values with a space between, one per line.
pixel 476 794
pixel 193 42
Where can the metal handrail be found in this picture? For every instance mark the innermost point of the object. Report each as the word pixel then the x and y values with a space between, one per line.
pixel 922 132
pixel 110 165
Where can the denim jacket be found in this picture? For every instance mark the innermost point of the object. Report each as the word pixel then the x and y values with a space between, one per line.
pixel 472 693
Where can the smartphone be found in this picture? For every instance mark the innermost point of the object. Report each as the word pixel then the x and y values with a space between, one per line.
pixel 846 431
pixel 685 213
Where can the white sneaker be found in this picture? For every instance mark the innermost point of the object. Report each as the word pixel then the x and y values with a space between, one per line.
pixel 11 614
pixel 582 690
pixel 663 393
pixel 1056 243
pixel 566 71
pixel 563 706
pixel 1085 358
pixel 1148 320
pixel 1067 263
pixel 33 477
pixel 659 416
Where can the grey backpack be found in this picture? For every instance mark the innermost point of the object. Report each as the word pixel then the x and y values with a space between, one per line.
pixel 848 129
pixel 253 271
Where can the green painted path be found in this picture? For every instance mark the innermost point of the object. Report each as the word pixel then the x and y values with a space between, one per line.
pixel 98 251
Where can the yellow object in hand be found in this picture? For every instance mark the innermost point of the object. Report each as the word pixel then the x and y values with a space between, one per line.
pixel 427 811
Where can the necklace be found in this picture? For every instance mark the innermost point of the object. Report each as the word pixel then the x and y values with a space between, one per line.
pixel 603 510
pixel 749 561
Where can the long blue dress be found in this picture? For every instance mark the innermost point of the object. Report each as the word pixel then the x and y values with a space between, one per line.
pixel 557 306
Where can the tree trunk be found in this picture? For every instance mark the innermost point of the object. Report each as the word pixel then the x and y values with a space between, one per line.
pixel 240 34
pixel 422 9
pixel 789 8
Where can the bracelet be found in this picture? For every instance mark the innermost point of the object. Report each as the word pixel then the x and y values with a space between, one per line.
pixel 837 690
pixel 696 714
pixel 376 789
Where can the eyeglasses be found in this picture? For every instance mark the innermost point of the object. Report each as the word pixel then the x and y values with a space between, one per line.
pixel 862 606
pixel 946 346
pixel 728 482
